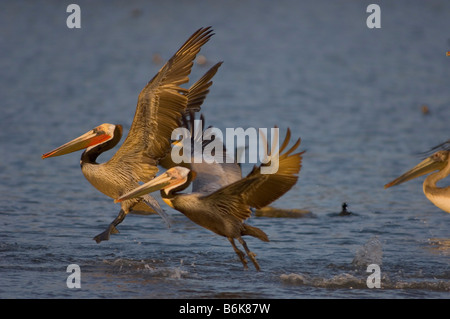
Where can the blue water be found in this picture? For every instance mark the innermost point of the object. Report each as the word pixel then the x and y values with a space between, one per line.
pixel 353 94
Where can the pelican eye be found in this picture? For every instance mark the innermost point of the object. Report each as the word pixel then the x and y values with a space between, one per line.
pixel 439 156
pixel 99 130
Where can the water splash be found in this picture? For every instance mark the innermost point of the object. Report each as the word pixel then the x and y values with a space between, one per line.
pixel 370 253
pixel 147 268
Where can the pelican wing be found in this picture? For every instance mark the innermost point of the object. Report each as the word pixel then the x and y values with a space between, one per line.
pixel 200 89
pixel 214 173
pixel 159 109
pixel 215 170
pixel 195 98
pixel 259 190
pixel 209 176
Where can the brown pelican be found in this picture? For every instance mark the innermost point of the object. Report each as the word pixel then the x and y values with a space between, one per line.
pixel 440 162
pixel 160 106
pixel 221 199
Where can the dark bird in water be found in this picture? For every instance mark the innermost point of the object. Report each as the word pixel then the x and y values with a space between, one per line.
pixel 159 110
pixel 221 198
pixel 344 211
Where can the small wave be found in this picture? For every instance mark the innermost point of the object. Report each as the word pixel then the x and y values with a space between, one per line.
pixel 439 285
pixel 347 280
pixel 339 281
pixel 440 245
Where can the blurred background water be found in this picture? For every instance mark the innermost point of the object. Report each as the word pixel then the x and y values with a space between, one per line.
pixel 353 94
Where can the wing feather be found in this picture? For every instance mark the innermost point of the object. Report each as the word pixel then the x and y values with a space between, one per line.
pixel 216 174
pixel 195 98
pixel 258 190
pixel 160 106
pixel 200 89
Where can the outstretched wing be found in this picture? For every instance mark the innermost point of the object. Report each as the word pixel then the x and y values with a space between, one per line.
pixel 259 190
pixel 195 98
pixel 159 109
pixel 200 89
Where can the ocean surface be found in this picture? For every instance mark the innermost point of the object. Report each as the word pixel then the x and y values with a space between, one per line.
pixel 355 96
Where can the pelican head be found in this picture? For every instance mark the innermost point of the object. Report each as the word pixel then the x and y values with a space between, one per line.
pixel 99 135
pixel 435 162
pixel 168 181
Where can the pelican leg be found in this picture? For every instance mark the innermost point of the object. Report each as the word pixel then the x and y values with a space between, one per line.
pixel 111 228
pixel 250 254
pixel 238 252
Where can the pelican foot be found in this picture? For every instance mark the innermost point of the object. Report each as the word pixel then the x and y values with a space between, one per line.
pixel 250 254
pixel 240 254
pixel 253 259
pixel 242 258
pixel 105 235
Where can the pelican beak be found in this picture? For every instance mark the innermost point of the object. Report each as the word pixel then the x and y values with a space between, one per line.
pixel 93 137
pixel 171 178
pixel 426 166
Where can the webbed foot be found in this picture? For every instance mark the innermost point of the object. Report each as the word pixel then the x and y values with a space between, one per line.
pixel 105 235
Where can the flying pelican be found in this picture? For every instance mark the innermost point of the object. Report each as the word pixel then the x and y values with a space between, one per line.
pixel 221 199
pixel 440 162
pixel 160 106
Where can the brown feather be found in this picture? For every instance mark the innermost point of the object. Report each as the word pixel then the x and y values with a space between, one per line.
pixel 259 190
pixel 159 109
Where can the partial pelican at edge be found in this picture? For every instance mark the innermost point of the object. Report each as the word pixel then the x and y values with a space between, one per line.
pixel 440 162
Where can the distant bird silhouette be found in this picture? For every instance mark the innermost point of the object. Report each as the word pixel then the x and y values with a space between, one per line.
pixel 425 109
pixel 344 211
